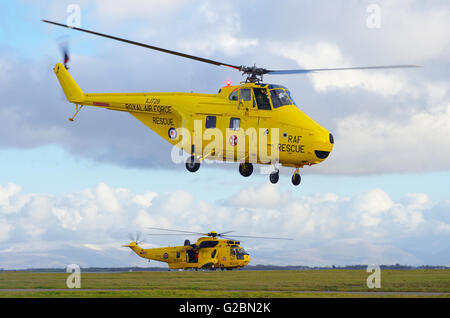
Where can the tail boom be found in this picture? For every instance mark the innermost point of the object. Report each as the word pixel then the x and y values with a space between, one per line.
pixel 73 92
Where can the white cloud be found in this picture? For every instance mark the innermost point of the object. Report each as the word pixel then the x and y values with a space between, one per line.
pixel 107 198
pixel 328 55
pixel 5 229
pixel 267 196
pixel 93 247
pixel 367 144
pixel 67 219
pixel 179 201
pixel 117 10
pixel 8 204
pixel 417 32
pixel 327 229
pixel 218 30
pixel 144 200
pixel 373 202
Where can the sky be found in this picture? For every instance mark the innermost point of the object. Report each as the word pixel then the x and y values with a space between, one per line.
pixel 72 192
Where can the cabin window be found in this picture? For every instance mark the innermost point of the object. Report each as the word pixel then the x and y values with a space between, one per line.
pixel 234 95
pixel 235 123
pixel 178 254
pixel 262 100
pixel 210 122
pixel 245 94
pixel 208 244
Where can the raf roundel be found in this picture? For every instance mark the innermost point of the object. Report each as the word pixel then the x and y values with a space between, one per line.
pixel 172 133
pixel 233 140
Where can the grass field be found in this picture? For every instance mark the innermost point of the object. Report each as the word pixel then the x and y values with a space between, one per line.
pixel 283 283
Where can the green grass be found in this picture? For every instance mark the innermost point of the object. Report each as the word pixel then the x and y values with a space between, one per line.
pixel 197 294
pixel 225 284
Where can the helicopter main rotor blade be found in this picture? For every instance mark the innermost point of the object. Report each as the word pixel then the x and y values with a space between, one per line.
pixel 193 57
pixel 178 234
pixel 304 71
pixel 181 231
pixel 261 237
pixel 222 234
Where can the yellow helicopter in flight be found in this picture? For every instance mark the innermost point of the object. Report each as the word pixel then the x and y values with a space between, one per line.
pixel 250 123
pixel 211 251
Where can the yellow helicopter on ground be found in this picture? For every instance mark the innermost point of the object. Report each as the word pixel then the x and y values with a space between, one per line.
pixel 211 251
pixel 250 123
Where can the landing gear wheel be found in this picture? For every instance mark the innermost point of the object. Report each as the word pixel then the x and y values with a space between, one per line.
pixel 245 169
pixel 274 176
pixel 192 164
pixel 296 178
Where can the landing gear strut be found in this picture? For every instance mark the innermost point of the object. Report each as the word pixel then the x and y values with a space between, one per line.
pixel 245 169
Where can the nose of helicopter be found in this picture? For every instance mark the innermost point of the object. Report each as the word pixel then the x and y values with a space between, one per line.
pixel 324 145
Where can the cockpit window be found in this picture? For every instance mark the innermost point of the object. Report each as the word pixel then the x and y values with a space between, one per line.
pixel 239 252
pixel 280 98
pixel 279 95
pixel 262 100
pixel 290 96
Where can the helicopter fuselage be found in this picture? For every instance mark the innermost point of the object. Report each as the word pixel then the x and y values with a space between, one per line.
pixel 247 123
pixel 206 253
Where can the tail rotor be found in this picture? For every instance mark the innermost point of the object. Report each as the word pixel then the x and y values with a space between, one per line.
pixel 64 49
pixel 136 238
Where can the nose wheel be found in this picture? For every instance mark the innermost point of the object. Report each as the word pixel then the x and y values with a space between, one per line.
pixel 296 178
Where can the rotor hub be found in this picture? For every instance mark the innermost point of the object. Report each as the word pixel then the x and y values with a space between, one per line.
pixel 254 74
